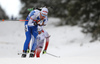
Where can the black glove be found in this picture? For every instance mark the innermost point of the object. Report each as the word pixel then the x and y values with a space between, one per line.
pixel 35 23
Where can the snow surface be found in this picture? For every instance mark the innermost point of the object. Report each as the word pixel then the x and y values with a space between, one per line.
pixel 68 42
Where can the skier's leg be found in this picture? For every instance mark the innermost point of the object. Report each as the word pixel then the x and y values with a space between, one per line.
pixel 39 48
pixel 38 51
pixel 34 33
pixel 28 37
pixel 28 50
pixel 34 45
pixel 33 52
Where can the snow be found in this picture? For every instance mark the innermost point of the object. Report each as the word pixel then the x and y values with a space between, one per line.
pixel 68 42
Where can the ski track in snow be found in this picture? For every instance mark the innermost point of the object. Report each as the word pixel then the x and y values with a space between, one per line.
pixel 68 42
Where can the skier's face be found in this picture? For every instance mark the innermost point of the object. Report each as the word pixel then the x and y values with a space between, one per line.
pixel 42 16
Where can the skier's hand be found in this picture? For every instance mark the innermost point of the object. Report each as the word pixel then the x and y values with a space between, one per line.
pixel 44 52
pixel 35 23
pixel 40 25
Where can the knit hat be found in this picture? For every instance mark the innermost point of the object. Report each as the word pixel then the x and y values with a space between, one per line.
pixel 44 11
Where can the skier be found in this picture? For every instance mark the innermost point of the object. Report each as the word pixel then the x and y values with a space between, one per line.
pixel 42 35
pixel 35 18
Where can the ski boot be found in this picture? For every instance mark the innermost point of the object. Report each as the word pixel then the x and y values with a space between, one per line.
pixel 24 54
pixel 31 54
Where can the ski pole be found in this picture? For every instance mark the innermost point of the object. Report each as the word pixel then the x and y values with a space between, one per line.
pixel 20 53
pixel 24 20
pixel 53 55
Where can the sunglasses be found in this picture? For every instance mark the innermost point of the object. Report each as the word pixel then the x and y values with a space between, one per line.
pixel 43 15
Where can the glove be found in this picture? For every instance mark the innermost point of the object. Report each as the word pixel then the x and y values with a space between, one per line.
pixel 44 51
pixel 28 50
pixel 35 23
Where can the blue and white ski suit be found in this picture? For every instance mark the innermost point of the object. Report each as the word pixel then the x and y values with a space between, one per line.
pixel 31 29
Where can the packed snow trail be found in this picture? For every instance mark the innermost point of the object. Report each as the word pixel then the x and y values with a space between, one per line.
pixel 68 42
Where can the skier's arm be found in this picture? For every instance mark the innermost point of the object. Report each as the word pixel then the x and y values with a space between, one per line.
pixel 44 22
pixel 46 44
pixel 31 22
pixel 47 36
